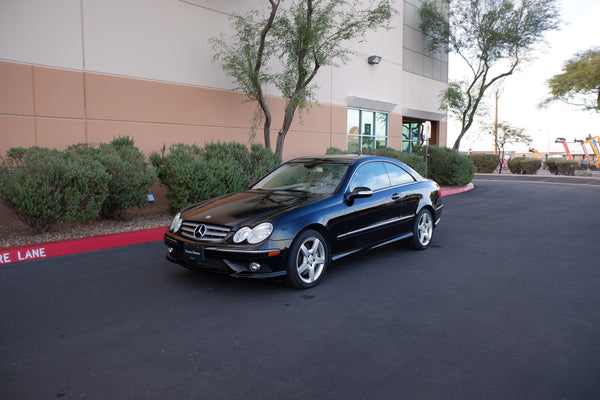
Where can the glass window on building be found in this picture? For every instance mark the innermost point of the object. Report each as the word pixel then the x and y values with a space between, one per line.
pixel 410 135
pixel 367 130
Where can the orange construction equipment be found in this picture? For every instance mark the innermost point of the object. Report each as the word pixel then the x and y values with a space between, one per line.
pixel 587 155
pixel 586 159
pixel 564 142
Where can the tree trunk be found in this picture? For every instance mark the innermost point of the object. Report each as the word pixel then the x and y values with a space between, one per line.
pixel 287 122
pixel 267 114
pixel 257 67
pixel 501 160
pixel 459 138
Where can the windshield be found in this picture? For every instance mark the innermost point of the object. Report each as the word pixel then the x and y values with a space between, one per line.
pixel 304 177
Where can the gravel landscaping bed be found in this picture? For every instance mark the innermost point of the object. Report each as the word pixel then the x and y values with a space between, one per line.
pixel 16 233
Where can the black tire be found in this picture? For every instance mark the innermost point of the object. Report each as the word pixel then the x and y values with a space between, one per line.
pixel 422 230
pixel 307 260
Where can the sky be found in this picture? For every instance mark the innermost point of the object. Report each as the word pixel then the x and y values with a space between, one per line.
pixel 526 88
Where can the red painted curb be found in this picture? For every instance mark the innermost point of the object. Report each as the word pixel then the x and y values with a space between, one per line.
pixel 38 251
pixel 449 192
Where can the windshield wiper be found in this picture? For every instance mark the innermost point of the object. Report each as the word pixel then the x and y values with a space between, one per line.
pixel 292 190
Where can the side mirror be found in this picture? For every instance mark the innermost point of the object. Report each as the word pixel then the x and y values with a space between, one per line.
pixel 358 192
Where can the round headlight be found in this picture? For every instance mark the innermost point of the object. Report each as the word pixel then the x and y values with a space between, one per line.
pixel 260 232
pixel 241 235
pixel 176 223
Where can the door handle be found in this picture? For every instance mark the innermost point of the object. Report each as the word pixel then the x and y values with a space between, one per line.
pixel 395 196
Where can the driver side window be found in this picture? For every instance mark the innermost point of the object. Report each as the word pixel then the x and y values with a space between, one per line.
pixel 372 175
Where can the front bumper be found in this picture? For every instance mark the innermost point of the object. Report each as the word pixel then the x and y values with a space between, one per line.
pixel 262 261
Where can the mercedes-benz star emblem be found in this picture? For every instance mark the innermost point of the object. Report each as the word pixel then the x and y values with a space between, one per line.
pixel 200 231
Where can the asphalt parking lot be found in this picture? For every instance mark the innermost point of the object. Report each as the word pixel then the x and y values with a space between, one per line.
pixel 504 305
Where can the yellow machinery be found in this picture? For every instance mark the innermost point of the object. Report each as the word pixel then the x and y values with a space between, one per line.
pixel 593 142
pixel 535 153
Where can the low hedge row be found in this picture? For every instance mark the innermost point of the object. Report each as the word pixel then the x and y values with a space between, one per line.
pixel 524 165
pixel 561 166
pixel 485 163
pixel 131 176
pixel 44 186
pixel 192 173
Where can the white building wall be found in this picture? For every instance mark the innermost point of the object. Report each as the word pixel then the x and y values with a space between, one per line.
pixel 41 32
pixel 163 40
pixel 380 82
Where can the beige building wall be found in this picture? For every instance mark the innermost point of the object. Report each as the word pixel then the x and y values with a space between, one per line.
pixel 55 108
pixel 88 70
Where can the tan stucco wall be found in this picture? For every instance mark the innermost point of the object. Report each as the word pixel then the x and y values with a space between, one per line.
pixel 51 107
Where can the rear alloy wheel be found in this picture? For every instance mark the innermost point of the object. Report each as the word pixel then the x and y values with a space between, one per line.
pixel 422 230
pixel 308 260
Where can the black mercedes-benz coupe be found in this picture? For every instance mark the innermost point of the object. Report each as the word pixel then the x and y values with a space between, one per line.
pixel 305 214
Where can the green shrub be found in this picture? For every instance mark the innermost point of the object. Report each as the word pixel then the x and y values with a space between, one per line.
pixel 131 175
pixel 485 163
pixel 262 160
pixel 44 186
pixel 414 161
pixel 514 165
pixel 524 165
pixel 448 167
pixel 561 166
pixel 192 174
pixel 235 167
pixel 334 150
pixel 185 174
pixel 230 165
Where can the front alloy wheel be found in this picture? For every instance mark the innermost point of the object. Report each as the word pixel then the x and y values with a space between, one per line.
pixel 422 230
pixel 308 260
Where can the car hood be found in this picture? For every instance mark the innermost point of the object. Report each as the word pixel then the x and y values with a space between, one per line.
pixel 247 207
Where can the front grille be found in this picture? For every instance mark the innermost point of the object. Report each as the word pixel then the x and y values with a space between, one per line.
pixel 199 231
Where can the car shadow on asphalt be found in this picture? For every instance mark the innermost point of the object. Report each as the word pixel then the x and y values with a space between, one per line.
pixel 344 268
pixel 190 279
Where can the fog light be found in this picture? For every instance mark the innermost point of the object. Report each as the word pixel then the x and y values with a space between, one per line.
pixel 254 266
pixel 170 250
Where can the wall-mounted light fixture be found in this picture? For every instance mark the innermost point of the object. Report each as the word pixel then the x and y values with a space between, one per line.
pixel 374 59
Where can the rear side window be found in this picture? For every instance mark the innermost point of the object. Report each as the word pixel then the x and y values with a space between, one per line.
pixel 397 175
pixel 372 175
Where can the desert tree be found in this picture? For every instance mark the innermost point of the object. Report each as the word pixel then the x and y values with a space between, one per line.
pixel 296 42
pixel 504 133
pixel 579 82
pixel 243 58
pixel 492 37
